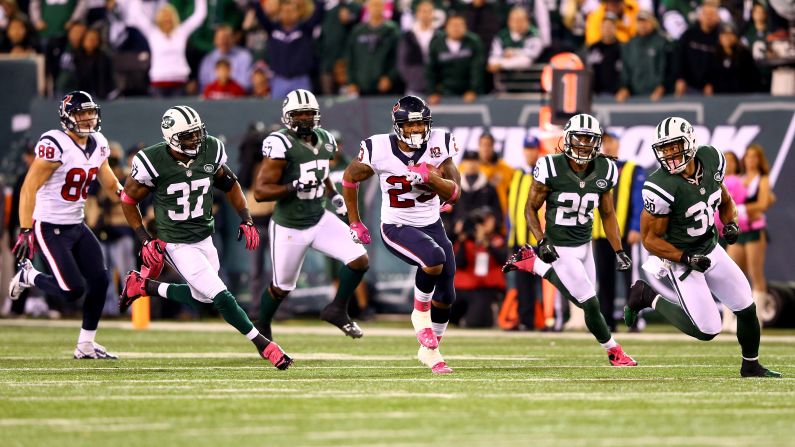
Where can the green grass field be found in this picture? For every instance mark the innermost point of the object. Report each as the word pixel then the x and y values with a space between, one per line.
pixel 203 385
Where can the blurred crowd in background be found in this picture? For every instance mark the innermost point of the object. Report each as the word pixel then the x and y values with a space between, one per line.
pixel 238 48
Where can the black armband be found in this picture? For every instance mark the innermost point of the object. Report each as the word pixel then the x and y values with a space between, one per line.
pixel 226 181
pixel 142 234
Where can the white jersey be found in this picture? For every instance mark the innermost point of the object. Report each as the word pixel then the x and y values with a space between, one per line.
pixel 62 198
pixel 402 203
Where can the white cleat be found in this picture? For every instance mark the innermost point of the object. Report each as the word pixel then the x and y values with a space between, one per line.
pixel 432 358
pixel 20 280
pixel 94 351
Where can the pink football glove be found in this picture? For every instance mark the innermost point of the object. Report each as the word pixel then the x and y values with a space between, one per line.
pixel 251 233
pixel 360 233
pixel 153 254
pixel 26 245
pixel 422 170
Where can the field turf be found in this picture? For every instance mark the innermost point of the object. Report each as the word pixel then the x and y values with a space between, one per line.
pixel 202 384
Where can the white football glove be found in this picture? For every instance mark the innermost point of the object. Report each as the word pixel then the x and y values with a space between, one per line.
pixel 339 205
pixel 414 178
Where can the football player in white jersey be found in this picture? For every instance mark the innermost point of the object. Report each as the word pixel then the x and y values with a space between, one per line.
pixel 51 216
pixel 415 169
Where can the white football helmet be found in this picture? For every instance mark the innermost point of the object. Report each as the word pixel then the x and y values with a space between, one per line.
pixel 674 144
pixel 298 101
pixel 582 138
pixel 183 130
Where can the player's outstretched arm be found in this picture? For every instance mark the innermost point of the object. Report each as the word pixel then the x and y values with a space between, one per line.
pixel 448 185
pixel 355 172
pixel 538 195
pixel 40 171
pixel 266 186
pixel 132 194
pixel 108 180
pixel 652 230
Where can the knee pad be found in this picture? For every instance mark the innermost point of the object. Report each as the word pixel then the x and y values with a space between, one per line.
pixel 224 300
pixel 436 257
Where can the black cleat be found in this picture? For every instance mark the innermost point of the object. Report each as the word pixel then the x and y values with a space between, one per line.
pixel 641 296
pixel 752 368
pixel 339 317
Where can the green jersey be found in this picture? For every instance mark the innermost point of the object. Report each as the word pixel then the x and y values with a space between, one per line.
pixel 305 162
pixel 573 196
pixel 183 196
pixel 689 205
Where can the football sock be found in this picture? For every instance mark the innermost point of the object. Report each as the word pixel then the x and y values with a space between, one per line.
pixel 259 341
pixel 154 288
pixel 440 317
pixel 86 336
pixel 268 304
pixel 748 332
pixel 680 319
pixel 174 292
pixel 594 320
pixel 226 305
pixel 421 315
pixel 349 280
pixel 425 282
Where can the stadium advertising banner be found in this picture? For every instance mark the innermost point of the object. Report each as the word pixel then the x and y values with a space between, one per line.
pixel 729 123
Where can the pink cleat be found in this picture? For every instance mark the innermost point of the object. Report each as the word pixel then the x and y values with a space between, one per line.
pixel 427 338
pixel 618 357
pixel 441 368
pixel 523 260
pixel 274 354
pixel 134 288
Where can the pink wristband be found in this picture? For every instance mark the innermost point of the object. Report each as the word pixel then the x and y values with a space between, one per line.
pixel 350 185
pixel 456 191
pixel 127 199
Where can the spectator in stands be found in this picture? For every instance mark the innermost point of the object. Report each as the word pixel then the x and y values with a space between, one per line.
pixel 517 46
pixel 238 58
pixel 484 18
pixel 167 39
pixel 480 252
pixel 335 30
pixel 571 36
pixel 628 205
pixel 751 247
pixel 695 50
pixel 65 76
pixel 414 49
pixel 527 284
pixel 260 85
pixel 756 39
pixel 372 53
pixel 290 52
pixel 677 15
pixel 224 86
pixel 644 61
pixel 94 67
pixel 18 39
pixel 732 68
pixel 52 20
pixel 496 170
pixel 476 192
pixel 626 14
pixel 604 58
pixel 457 62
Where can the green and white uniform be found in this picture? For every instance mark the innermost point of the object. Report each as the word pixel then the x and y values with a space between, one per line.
pixel 300 219
pixel 692 209
pixel 183 200
pixel 570 206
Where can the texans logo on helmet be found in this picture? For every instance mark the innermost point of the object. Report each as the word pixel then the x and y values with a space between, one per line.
pixel 396 107
pixel 66 100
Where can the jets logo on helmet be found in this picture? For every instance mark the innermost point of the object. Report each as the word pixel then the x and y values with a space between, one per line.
pixel 297 101
pixel 79 113
pixel 582 138
pixel 674 144
pixel 183 130
pixel 411 109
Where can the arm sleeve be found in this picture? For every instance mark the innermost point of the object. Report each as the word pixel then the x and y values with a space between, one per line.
pixel 636 198
pixel 142 171
pixel 656 200
pixel 543 170
pixel 275 146
pixel 196 19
